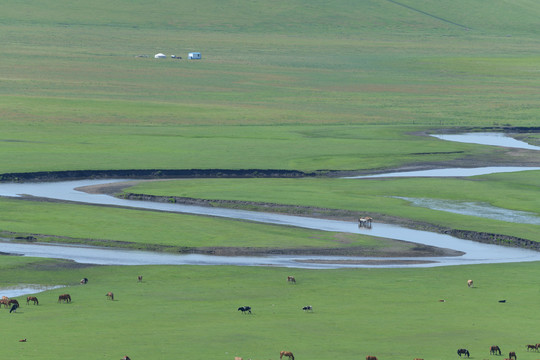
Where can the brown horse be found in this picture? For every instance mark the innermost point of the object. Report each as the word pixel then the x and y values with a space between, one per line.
pixel 533 347
pixel 4 302
pixel 494 349
pixel 512 354
pixel 32 298
pixel 139 278
pixel 13 301
pixel 64 297
pixel 371 357
pixel 110 295
pixel 291 279
pixel 287 354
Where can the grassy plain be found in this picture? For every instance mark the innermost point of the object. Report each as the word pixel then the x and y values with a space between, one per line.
pixel 191 312
pixel 302 85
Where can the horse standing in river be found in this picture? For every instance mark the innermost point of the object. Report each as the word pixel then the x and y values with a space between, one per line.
pixel 365 221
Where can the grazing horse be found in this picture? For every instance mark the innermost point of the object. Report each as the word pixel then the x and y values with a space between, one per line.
pixel 470 283
pixel 84 281
pixel 32 298
pixel 371 357
pixel 365 221
pixel 4 302
pixel 110 295
pixel 291 279
pixel 22 340
pixel 494 349
pixel 245 309
pixel 64 297
pixel 13 302
pixel 308 308
pixel 139 278
pixel 533 347
pixel 512 354
pixel 463 352
pixel 287 354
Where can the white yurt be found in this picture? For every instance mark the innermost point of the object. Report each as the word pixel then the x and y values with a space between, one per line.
pixel 160 56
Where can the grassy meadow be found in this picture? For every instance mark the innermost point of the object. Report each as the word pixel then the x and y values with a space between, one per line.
pixel 304 85
pixel 191 312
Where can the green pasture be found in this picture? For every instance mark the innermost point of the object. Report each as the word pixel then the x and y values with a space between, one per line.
pixel 514 191
pixel 301 85
pixel 191 312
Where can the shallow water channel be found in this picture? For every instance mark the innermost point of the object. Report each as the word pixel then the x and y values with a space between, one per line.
pixel 475 253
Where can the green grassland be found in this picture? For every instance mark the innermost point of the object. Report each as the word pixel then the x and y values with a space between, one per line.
pixel 341 79
pixel 302 85
pixel 191 312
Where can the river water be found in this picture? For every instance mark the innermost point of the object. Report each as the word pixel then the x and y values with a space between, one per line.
pixel 475 253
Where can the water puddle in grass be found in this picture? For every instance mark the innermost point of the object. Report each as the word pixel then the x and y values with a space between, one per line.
pixel 477 209
pixel 450 172
pixel 494 139
pixel 25 289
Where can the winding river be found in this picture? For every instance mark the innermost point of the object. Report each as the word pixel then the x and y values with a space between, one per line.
pixel 474 252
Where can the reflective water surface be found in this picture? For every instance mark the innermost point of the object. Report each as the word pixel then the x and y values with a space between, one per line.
pixel 476 209
pixel 495 139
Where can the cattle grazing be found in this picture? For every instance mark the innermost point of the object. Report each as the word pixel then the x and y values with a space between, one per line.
pixel 110 295
pixel 287 354
pixel 291 279
pixel 84 281
pixel 494 349
pixel 14 308
pixel 512 354
pixel 125 358
pixel 245 309
pixel 22 340
pixel 463 352
pixel 532 347
pixel 502 301
pixel 470 283
pixel 538 346
pixel 139 278
pixel 32 298
pixel 308 308
pixel 418 359
pixel 65 298
pixel 371 357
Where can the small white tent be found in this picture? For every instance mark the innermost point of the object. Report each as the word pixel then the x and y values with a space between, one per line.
pixel 194 55
pixel 160 56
